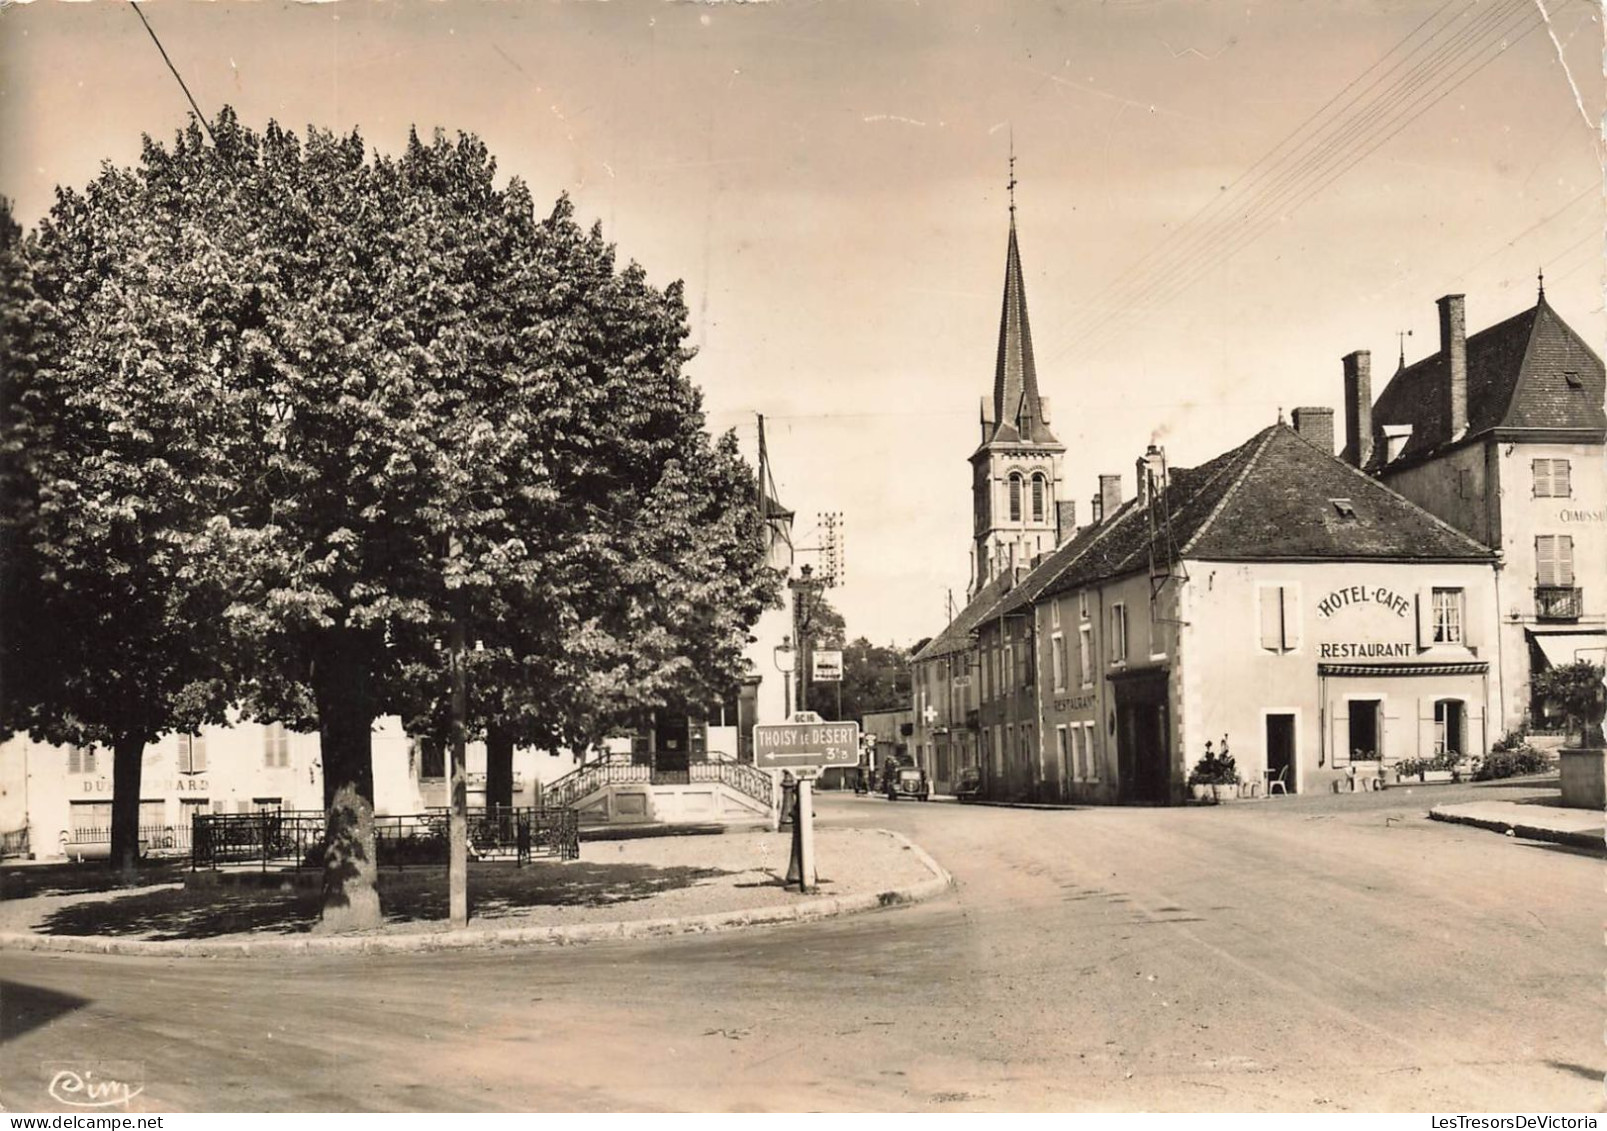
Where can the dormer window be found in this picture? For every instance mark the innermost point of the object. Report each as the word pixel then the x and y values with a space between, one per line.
pixel 1344 508
pixel 1395 438
pixel 1572 377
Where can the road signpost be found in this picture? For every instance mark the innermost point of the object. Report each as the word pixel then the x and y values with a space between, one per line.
pixel 803 746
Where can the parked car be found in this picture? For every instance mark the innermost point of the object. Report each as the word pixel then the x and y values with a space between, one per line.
pixel 907 781
pixel 968 787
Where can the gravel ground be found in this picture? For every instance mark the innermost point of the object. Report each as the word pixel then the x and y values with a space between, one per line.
pixel 650 878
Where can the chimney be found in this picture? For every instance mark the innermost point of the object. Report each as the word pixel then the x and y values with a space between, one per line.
pixel 1096 510
pixel 1359 408
pixel 1110 495
pixel 1454 345
pixel 1316 426
pixel 1150 474
pixel 1065 519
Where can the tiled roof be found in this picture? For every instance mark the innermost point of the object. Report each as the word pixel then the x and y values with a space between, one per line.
pixel 957 637
pixel 1518 377
pixel 1274 498
pixel 1017 411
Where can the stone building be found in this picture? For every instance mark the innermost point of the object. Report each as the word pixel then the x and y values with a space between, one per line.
pixel 1501 434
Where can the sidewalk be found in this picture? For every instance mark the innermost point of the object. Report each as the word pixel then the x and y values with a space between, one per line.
pixel 1534 819
pixel 618 889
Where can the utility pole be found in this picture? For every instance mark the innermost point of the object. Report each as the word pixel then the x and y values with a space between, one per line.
pixel 457 866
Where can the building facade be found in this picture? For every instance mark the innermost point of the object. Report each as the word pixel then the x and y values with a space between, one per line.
pixel 1501 434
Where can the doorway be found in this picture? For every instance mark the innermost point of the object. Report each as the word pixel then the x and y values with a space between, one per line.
pixel 1450 727
pixel 671 739
pixel 1281 749
pixel 1143 746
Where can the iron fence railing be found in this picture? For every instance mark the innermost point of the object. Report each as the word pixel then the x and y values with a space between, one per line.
pixel 14 843
pixel 740 776
pixel 297 837
pixel 155 840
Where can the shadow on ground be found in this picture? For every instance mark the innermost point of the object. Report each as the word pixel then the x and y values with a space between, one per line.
pixel 82 879
pixel 496 891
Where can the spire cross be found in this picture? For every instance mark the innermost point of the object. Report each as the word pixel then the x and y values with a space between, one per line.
pixel 1541 274
pixel 1012 185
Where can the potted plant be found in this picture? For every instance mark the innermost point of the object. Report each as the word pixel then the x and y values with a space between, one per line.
pixel 1214 777
pixel 1577 690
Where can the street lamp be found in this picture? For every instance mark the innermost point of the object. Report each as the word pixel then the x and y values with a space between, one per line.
pixel 786 661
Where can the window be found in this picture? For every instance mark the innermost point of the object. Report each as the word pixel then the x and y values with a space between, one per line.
pixel 80 759
pixel 1068 754
pixel 189 809
pixel 1085 653
pixel 192 754
pixel 1082 605
pixel 1025 669
pixel 1366 731
pixel 275 746
pixel 1054 613
pixel 1090 760
pixel 1448 616
pixel 1057 655
pixel 1449 726
pixel 1280 617
pixel 1118 634
pixel 1015 497
pixel 432 758
pixel 267 804
pixel 1037 498
pixel 1552 479
pixel 1554 560
pixel 91 822
pixel 1344 507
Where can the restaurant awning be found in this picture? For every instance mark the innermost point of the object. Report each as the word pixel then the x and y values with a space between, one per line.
pixel 1563 648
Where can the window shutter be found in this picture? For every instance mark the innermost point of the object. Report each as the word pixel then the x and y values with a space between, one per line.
pixel 1291 617
pixel 1545 559
pixel 1271 617
pixel 1561 478
pixel 198 753
pixel 1424 601
pixel 1565 559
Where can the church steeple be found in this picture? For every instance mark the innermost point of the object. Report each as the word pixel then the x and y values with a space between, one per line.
pixel 1017 411
pixel 1015 482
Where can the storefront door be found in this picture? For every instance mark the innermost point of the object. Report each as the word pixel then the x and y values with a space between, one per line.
pixel 1281 750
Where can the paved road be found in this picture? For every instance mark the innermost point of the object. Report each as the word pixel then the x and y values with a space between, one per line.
pixel 1299 955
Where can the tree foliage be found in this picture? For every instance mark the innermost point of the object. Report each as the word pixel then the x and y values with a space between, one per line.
pixel 1576 688
pixel 410 399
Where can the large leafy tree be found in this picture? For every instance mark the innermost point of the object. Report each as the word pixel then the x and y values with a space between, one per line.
pixel 112 634
pixel 426 404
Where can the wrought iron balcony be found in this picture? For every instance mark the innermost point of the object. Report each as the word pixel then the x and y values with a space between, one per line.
pixel 1557 602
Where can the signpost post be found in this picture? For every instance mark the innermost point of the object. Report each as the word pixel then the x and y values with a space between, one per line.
pixel 804 746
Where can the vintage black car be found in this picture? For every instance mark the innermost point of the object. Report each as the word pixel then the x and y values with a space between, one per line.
pixel 968 787
pixel 907 781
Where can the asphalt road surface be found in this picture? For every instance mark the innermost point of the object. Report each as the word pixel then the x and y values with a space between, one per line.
pixel 1315 954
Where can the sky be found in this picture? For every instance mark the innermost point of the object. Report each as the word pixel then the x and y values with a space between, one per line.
pixel 1215 201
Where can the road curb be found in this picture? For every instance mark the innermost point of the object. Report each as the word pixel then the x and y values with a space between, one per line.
pixel 1592 841
pixel 475 939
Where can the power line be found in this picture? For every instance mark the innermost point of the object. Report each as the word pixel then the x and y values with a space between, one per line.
pixel 1370 111
pixel 134 4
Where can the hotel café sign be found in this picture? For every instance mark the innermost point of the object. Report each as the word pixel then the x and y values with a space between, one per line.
pixel 1387 606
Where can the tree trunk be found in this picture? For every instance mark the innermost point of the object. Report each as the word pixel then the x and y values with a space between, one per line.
pixel 128 762
pixel 498 768
pixel 345 734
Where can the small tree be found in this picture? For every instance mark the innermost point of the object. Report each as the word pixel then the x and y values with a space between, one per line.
pixel 1576 688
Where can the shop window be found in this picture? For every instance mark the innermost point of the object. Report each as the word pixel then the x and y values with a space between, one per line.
pixel 1366 729
pixel 81 759
pixel 1449 615
pixel 1552 479
pixel 1554 560
pixel 1450 726
pixel 1037 498
pixel 1057 655
pixel 1280 617
pixel 275 746
pixel 91 822
pixel 1118 633
pixel 192 754
pixel 1015 497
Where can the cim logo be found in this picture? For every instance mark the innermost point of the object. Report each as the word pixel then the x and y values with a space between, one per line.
pixel 98 1084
